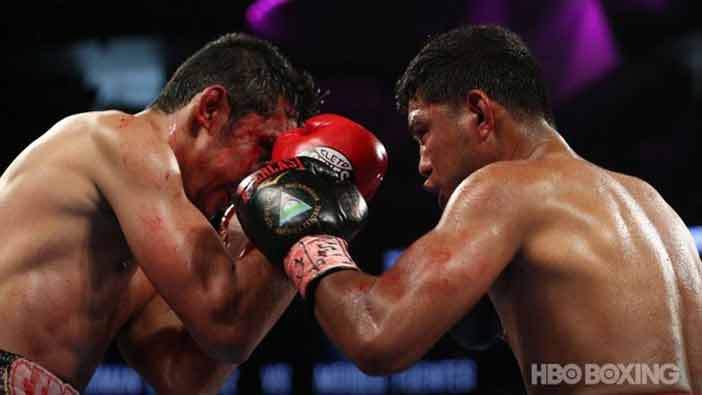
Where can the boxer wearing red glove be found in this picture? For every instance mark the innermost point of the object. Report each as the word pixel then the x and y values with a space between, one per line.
pixel 317 185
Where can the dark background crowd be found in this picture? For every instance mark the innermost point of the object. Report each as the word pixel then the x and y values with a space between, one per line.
pixel 625 77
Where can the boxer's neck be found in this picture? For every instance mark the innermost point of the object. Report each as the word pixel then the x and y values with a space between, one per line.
pixel 174 128
pixel 534 139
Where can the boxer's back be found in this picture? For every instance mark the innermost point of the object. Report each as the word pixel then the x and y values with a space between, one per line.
pixel 64 265
pixel 610 276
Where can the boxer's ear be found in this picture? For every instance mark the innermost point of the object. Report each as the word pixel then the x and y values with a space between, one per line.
pixel 212 108
pixel 480 104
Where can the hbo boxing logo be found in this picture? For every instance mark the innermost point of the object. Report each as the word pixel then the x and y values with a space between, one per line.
pixel 609 373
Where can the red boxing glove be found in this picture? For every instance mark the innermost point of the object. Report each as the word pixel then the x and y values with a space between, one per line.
pixel 349 148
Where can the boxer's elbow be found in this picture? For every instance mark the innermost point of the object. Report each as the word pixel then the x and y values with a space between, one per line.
pixel 239 346
pixel 228 349
pixel 225 342
pixel 376 357
pixel 191 374
pixel 374 366
pixel 373 346
pixel 222 334
pixel 229 354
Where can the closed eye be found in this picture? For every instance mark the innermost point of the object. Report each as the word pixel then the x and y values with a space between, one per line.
pixel 418 128
pixel 419 134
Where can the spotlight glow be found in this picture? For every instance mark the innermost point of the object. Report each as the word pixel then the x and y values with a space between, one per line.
pixel 258 12
pixel 697 235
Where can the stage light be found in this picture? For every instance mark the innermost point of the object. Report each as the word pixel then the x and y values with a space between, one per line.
pixel 259 17
pixel 697 235
pixel 124 72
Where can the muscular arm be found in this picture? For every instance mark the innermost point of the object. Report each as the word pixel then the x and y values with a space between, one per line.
pixel 386 323
pixel 178 250
pixel 156 344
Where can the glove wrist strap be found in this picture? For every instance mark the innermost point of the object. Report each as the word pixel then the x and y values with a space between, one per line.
pixel 314 256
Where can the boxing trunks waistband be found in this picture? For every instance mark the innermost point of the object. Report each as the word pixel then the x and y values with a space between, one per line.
pixel 20 376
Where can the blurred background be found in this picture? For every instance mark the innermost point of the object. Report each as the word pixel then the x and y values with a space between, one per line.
pixel 625 77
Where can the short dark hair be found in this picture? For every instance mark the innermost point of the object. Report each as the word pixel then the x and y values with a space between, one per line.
pixel 487 57
pixel 254 72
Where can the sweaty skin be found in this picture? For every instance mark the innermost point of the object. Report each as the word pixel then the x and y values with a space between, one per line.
pixel 96 220
pixel 584 265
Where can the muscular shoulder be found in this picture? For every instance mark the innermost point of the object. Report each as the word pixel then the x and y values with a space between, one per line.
pixel 114 130
pixel 80 135
pixel 90 123
pixel 526 192
pixel 496 195
pixel 66 151
pixel 130 145
pixel 66 142
pixel 513 183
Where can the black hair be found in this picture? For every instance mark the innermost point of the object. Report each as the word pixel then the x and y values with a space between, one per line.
pixel 486 57
pixel 253 71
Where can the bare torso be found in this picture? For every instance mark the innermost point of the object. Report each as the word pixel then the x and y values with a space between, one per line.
pixel 67 283
pixel 612 276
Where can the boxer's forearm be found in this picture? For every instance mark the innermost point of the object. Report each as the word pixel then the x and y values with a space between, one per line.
pixel 387 323
pixel 204 294
pixel 185 369
pixel 263 291
pixel 369 322
pixel 158 345
pixel 263 294
pixel 159 348
pixel 254 294
pixel 372 319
